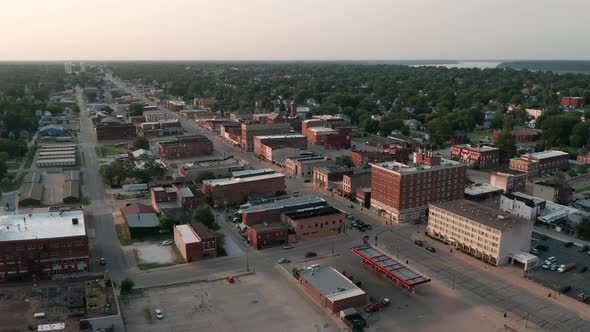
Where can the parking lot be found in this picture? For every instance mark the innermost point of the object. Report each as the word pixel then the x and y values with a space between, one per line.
pixel 579 281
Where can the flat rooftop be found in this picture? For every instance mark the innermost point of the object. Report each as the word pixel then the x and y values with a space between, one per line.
pixel 281 136
pixel 187 234
pixel 478 148
pixel 322 130
pixel 252 172
pixel 285 203
pixel 481 188
pixel 314 211
pixel 268 227
pixel 229 181
pixel 331 283
pixel 494 218
pixel 409 168
pixel 546 154
pixel 390 266
pixel 42 225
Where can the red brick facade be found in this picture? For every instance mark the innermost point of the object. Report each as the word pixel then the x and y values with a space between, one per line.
pixel 362 158
pixel 236 191
pixel 110 132
pixel 573 102
pixel 484 156
pixel 186 147
pixel 536 163
pixel 263 235
pixel 192 251
pixel 315 225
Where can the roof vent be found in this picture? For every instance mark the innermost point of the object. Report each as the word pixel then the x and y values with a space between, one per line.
pixel 74 221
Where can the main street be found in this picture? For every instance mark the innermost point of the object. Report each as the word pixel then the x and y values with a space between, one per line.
pixel 501 288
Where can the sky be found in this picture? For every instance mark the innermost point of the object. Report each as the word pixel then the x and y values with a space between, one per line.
pixel 293 29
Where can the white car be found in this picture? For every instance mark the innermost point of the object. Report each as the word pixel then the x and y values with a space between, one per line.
pixel 167 243
pixel 159 314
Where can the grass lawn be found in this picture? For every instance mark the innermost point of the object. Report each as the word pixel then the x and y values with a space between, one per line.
pixel 123 235
pixel 360 139
pixel 479 135
pixel 109 150
pixel 86 201
pixel 583 188
pixel 29 157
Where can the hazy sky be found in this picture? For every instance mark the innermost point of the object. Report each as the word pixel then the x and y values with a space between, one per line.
pixel 293 29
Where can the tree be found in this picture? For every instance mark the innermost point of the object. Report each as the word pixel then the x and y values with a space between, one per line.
pixel 583 229
pixel 204 215
pixel 498 120
pixel 506 143
pixel 558 128
pixel 220 242
pixel 345 161
pixel 166 223
pixel 136 109
pixel 581 135
pixel 572 173
pixel 206 175
pixel 140 142
pixel 127 286
pixel 369 125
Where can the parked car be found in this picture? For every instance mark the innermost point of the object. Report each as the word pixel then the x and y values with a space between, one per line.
pixel 534 251
pixel 159 314
pixel 541 247
pixel 167 243
pixel 283 260
pixel 354 224
pixel 385 302
pixel 554 267
pixel 361 228
pixel 103 261
pixel 565 289
pixel 582 297
pixel 418 243
pixel 583 269
pixel 568 244
pixel 369 227
pixel 431 249
pixel 310 254
pixel 288 246
pixel 584 248
pixel 374 307
pixel 313 266
pixel 349 216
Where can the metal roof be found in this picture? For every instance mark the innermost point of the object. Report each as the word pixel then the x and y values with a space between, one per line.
pixel 390 266
pixel 31 191
pixel 73 175
pixel 286 203
pixel 33 177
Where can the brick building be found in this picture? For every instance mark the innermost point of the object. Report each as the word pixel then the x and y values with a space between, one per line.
pixel 154 116
pixel 271 212
pixel 359 179
pixel 175 196
pixel 509 180
pixel 572 102
pixel 267 234
pixel 341 140
pixel 212 125
pixel 217 167
pixel 402 192
pixel 482 155
pixel 115 131
pixel 491 235
pixel 290 140
pixel 174 105
pixel 43 245
pixel 250 130
pixel 325 176
pixel 195 242
pixel 186 147
pixel 303 165
pixel 330 289
pixel 235 190
pixel 315 222
pixel 362 158
pixel 537 163
pixel 231 131
pixel 525 135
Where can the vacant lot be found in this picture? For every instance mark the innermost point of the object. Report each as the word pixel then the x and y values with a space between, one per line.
pixel 102 151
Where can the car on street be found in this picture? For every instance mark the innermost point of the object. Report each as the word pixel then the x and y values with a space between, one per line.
pixel 582 297
pixel 385 302
pixel 349 216
pixel 159 314
pixel 310 254
pixel 369 227
pixel 584 248
pixel 374 307
pixel 418 243
pixel 283 260
pixel 313 266
pixel 103 261
pixel 568 244
pixel 565 289
pixel 534 251
pixel 288 246
pixel 354 224
pixel 361 228
pixel 167 243
pixel 431 249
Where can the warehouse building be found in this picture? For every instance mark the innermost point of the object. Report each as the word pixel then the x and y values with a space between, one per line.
pixel 195 242
pixel 31 194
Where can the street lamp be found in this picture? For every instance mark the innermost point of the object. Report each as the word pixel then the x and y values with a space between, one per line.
pixel 376 235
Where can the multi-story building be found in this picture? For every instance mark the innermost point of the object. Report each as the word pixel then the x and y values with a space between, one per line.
pixel 231 131
pixel 361 178
pixel 314 222
pixel 250 130
pixel 554 190
pixel 537 163
pixel 214 167
pixel 186 147
pixel 509 180
pixel 526 135
pixel 522 205
pixel 492 235
pixel 242 185
pixel 154 116
pixel 534 113
pixel 572 102
pixel 267 234
pixel 362 158
pixel 270 212
pixel 325 176
pixel 195 242
pixel 174 105
pixel 481 155
pixel 290 140
pixel 115 131
pixel 43 245
pixel 303 165
pixel 402 192
pixel 172 197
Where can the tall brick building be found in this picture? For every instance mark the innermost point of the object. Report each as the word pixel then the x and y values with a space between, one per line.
pixel 43 245
pixel 402 192
pixel 250 130
pixel 115 131
pixel 482 155
pixel 186 147
pixel 362 158
pixel 537 163
pixel 508 180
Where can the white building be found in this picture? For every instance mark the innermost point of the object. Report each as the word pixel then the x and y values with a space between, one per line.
pixel 522 205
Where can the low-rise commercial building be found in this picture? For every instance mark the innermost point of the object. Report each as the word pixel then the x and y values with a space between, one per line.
pixel 186 147
pixel 361 178
pixel 115 131
pixel 482 155
pixel 175 196
pixel 174 105
pixel 492 235
pixel 554 190
pixel 526 135
pixel 215 167
pixel 315 222
pixel 362 158
pixel 251 130
pixel 141 220
pixel 43 245
pixel 270 212
pixel 195 242
pixel 572 102
pixel 538 163
pixel 324 177
pixel 304 165
pixel 238 189
pixel 330 289
pixel 269 141
pixel 267 234
pixel 508 180
pixel 154 116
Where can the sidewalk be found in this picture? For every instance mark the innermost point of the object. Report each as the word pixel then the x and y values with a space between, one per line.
pixel 559 236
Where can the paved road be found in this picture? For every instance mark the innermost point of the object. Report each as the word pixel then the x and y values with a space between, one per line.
pixel 99 213
pixel 496 287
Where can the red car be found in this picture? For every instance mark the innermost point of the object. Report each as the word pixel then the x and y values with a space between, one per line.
pixel 374 307
pixel 310 254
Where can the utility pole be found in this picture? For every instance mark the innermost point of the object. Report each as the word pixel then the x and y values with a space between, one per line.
pixel 247 262
pixel 332 247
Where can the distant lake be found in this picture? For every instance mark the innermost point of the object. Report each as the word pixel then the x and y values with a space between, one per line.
pixel 463 64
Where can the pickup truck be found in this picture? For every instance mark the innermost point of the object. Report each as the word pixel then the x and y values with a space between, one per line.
pixel 566 267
